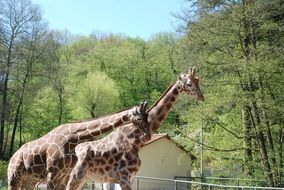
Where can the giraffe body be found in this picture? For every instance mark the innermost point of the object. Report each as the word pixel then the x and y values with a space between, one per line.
pixel 50 157
pixel 112 159
pixel 94 162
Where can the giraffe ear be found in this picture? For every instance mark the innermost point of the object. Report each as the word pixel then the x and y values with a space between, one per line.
pixel 143 106
pixel 145 103
pixel 192 71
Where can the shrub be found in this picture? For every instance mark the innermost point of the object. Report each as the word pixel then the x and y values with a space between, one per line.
pixel 3 169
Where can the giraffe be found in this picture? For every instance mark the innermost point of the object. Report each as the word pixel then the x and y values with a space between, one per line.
pixel 185 83
pixel 50 157
pixel 115 158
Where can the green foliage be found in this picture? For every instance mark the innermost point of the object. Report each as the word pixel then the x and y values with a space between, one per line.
pixel 96 95
pixel 241 66
pixel 3 169
pixel 42 113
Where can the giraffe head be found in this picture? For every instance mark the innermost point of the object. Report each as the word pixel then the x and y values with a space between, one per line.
pixel 139 114
pixel 189 84
pixel 140 119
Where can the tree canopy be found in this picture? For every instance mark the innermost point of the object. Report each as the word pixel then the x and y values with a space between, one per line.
pixel 51 77
pixel 96 95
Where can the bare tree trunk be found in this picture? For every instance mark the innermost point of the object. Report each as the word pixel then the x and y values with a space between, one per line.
pixel 18 110
pixel 265 120
pixel 4 106
pixel 16 120
pixel 247 40
pixel 247 141
pixel 3 113
pixel 21 129
pixel 261 144
pixel 280 152
pixel 58 86
pixel 262 103
pixel 60 106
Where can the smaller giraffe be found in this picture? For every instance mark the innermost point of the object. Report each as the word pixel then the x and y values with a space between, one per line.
pixel 112 159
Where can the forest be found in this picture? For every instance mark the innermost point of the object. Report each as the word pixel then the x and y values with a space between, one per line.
pixel 49 77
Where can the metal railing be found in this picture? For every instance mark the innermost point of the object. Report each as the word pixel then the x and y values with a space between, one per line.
pixel 152 183
pixel 225 181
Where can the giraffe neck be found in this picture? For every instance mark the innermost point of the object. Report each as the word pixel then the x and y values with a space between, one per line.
pixel 158 112
pixel 89 130
pixel 135 135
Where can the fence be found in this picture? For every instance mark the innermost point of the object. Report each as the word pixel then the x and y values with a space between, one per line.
pixel 225 181
pixel 149 183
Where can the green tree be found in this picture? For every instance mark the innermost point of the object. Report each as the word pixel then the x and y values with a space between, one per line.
pixel 22 33
pixel 42 114
pixel 232 43
pixel 95 96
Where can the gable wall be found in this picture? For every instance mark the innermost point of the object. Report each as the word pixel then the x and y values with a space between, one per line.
pixel 164 159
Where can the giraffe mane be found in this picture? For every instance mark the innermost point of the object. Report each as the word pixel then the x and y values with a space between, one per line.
pixel 168 89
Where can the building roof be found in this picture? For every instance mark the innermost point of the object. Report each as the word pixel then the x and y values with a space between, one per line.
pixel 156 137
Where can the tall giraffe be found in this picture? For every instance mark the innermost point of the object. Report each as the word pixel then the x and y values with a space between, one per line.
pixel 50 157
pixel 115 158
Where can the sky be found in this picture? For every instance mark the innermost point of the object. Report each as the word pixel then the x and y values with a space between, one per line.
pixel 134 18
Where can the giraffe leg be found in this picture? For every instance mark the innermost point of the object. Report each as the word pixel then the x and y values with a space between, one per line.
pixel 15 171
pixel 125 182
pixel 81 184
pixel 23 184
pixel 77 175
pixel 13 181
pixel 28 184
pixel 125 186
pixel 55 174
pixel 53 180
pixel 12 185
pixel 60 182
pixel 49 181
pixel 66 179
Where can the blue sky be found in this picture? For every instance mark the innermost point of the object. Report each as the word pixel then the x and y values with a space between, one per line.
pixel 134 18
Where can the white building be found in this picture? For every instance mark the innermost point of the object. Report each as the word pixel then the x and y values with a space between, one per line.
pixel 161 158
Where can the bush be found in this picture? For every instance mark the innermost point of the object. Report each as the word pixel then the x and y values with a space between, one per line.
pixel 3 169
